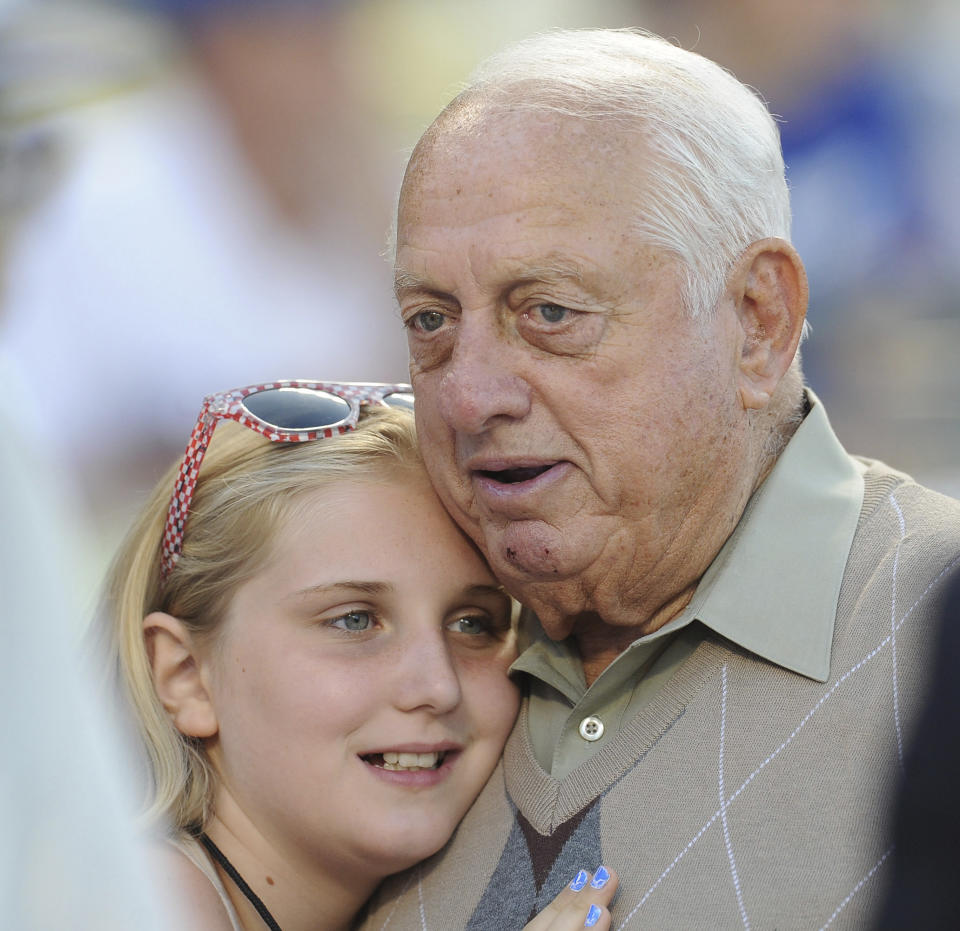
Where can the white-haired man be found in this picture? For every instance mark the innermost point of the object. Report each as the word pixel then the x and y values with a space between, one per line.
pixel 603 310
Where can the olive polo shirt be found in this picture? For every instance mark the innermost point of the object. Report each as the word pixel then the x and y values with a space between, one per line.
pixel 805 512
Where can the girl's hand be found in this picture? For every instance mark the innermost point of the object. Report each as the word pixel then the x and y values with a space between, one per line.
pixel 582 904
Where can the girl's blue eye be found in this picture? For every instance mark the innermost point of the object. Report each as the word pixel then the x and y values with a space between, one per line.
pixel 353 620
pixel 469 625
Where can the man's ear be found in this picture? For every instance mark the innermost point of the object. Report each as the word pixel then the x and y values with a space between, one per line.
pixel 177 677
pixel 769 289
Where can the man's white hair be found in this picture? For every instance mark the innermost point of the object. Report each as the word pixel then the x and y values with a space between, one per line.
pixel 712 171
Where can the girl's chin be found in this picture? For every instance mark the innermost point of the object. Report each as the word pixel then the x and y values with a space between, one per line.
pixel 401 849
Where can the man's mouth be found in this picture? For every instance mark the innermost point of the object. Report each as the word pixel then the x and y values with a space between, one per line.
pixel 514 476
pixel 398 762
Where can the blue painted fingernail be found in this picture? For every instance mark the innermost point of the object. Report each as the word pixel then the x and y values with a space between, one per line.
pixel 600 877
pixel 580 880
pixel 593 916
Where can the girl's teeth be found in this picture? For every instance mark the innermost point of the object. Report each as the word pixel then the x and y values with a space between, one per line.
pixel 410 761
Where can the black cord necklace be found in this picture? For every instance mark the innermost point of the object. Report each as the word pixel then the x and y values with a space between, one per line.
pixel 231 871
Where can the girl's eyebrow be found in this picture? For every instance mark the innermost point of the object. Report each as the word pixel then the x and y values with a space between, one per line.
pixel 486 590
pixel 366 587
pixel 379 588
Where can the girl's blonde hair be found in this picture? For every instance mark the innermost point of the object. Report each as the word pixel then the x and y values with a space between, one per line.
pixel 247 487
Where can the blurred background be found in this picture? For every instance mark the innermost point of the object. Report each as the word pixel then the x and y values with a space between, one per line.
pixel 195 195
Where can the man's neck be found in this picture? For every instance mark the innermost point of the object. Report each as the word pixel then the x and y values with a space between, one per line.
pixel 600 643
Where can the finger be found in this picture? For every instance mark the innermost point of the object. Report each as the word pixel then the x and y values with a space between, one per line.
pixel 562 901
pixel 602 887
pixel 584 899
pixel 597 917
pixel 568 897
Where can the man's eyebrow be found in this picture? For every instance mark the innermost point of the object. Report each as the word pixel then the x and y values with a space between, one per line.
pixel 556 268
pixel 367 588
pixel 553 269
pixel 405 282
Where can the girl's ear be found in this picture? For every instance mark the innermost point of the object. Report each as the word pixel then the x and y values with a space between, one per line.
pixel 177 677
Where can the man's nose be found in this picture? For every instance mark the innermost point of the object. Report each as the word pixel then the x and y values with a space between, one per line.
pixel 482 383
pixel 425 674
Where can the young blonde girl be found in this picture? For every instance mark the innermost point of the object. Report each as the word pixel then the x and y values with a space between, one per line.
pixel 315 659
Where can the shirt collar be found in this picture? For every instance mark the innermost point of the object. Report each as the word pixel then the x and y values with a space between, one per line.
pixel 774 586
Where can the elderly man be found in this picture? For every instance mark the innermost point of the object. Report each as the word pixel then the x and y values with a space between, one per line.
pixel 603 311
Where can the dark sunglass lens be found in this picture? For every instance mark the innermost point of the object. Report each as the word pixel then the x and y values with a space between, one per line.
pixel 398 399
pixel 297 408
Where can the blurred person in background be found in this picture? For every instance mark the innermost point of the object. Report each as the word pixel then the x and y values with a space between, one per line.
pixel 923 888
pixel 69 857
pixel 69 853
pixel 216 211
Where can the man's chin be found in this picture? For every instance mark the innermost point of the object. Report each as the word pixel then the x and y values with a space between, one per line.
pixel 546 569
pixel 527 551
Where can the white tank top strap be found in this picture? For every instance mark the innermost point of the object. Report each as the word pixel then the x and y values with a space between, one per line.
pixel 195 853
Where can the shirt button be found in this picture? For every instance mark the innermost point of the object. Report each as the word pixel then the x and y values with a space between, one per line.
pixel 591 728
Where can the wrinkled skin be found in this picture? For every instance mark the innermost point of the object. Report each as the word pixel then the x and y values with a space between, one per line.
pixel 546 336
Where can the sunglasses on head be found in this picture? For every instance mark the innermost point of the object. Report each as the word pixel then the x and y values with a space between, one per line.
pixel 283 412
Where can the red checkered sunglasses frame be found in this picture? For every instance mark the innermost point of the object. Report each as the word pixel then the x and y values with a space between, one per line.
pixel 229 405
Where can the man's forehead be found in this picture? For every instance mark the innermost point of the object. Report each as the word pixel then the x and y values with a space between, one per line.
pixel 498 144
pixel 529 195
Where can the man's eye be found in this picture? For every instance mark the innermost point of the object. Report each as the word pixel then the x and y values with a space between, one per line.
pixel 353 620
pixel 428 320
pixel 552 313
pixel 470 625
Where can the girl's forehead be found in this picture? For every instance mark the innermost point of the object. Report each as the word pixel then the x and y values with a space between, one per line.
pixel 391 532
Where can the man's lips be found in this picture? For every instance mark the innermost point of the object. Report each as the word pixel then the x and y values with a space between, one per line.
pixel 513 476
pixel 511 473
